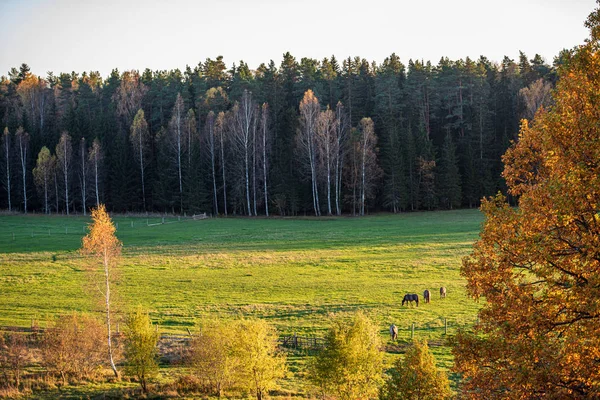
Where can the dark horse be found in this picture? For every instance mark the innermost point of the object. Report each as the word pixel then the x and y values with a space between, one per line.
pixel 410 297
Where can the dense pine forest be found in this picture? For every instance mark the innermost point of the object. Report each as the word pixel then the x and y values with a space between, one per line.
pixel 309 137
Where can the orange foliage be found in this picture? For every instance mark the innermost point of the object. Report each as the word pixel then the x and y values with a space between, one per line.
pixel 538 266
pixel 101 241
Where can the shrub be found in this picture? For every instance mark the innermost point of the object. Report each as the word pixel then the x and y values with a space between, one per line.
pixel 14 355
pixel 350 366
pixel 213 358
pixel 140 348
pixel 260 364
pixel 416 377
pixel 73 347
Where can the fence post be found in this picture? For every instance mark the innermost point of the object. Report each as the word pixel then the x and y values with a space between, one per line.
pixel 412 331
pixel 445 326
pixel 295 341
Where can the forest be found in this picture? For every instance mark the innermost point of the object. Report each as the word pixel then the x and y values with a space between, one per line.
pixel 305 138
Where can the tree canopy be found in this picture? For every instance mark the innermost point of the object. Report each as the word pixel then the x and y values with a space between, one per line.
pixel 538 266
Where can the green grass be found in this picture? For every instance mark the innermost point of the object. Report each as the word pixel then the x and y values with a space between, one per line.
pixel 292 272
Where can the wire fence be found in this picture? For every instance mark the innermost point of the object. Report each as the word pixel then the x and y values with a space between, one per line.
pixel 80 228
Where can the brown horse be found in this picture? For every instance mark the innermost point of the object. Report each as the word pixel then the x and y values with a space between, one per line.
pixel 427 295
pixel 442 292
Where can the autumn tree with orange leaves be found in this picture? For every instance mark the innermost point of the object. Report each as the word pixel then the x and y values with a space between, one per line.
pixel 538 266
pixel 102 244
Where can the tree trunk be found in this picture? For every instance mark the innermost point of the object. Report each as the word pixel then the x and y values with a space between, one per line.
pixel 224 180
pixel 83 179
pixel 23 153
pixel 7 156
pixel 265 168
pixel 142 171
pixel 96 179
pixel 107 298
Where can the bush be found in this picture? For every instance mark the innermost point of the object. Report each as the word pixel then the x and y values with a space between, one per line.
pixel 73 347
pixel 213 358
pixel 260 364
pixel 350 366
pixel 140 348
pixel 14 355
pixel 416 377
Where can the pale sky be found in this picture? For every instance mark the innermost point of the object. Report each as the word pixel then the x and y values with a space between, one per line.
pixel 83 35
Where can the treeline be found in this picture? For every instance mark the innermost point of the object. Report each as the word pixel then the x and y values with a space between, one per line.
pixel 318 137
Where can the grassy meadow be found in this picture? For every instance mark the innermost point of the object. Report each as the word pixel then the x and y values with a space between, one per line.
pixel 293 272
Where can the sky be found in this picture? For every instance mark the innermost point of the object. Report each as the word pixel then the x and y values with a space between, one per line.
pixel 84 35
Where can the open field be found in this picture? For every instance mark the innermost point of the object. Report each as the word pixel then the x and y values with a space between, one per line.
pixel 292 272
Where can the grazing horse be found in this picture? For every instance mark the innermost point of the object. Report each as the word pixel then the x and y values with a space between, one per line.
pixel 394 331
pixel 427 295
pixel 442 292
pixel 409 298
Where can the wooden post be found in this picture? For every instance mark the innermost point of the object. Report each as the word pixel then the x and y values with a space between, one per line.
pixel 295 340
pixel 412 331
pixel 445 326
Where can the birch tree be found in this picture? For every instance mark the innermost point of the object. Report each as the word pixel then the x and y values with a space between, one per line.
pixel 306 138
pixel 177 141
pixel 191 132
pixel 220 134
pixel 102 244
pixel 265 139
pixel 42 175
pixel 64 151
pixel 369 171
pixel 326 141
pixel 6 152
pixel 211 148
pixel 244 120
pixel 95 159
pixel 139 138
pixel 341 136
pixel 254 156
pixel 22 139
pixel 34 94
pixel 129 95
pixel 83 174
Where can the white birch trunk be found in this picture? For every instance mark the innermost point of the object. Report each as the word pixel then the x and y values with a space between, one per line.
pixel 264 151
pixel 83 178
pixel 223 170
pixel 7 157
pixel 108 327
pixel 23 154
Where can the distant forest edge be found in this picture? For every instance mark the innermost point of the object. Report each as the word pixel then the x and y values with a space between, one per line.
pixel 309 137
